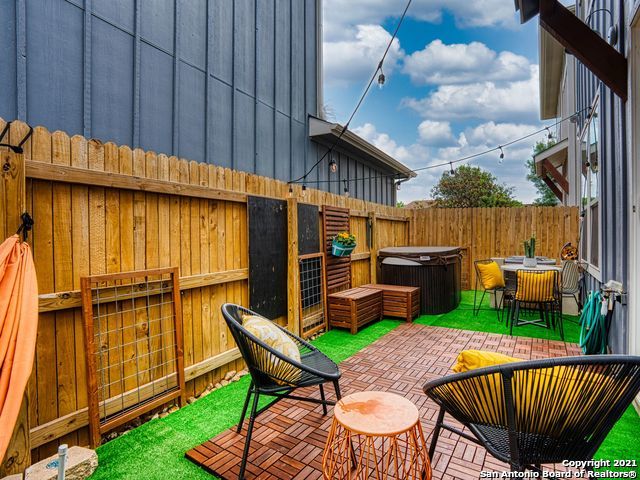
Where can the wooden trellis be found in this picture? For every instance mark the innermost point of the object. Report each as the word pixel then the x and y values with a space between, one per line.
pixel 133 333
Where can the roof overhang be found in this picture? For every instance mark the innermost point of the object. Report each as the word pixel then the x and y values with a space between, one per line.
pixel 552 61
pixel 607 63
pixel 328 133
pixel 549 165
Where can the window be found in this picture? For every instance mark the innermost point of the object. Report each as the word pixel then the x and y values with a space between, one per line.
pixel 590 159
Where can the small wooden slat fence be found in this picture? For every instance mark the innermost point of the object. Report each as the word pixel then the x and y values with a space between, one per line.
pixel 100 208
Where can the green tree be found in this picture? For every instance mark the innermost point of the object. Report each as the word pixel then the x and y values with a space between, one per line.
pixel 472 187
pixel 400 204
pixel 546 197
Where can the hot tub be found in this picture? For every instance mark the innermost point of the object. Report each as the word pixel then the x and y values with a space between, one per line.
pixel 436 270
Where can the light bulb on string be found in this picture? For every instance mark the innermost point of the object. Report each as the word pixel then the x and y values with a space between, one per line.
pixel 550 136
pixel 304 190
pixel 501 154
pixel 291 190
pixel 346 188
pixel 398 186
pixel 452 171
pixel 381 77
pixel 333 166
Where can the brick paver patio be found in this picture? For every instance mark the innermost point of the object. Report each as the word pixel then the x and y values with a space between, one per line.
pixel 289 437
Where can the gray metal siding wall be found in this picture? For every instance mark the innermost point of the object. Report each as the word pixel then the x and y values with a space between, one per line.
pixel 366 182
pixel 614 171
pixel 230 82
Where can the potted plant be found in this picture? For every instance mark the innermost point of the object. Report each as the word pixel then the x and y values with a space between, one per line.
pixel 530 260
pixel 343 244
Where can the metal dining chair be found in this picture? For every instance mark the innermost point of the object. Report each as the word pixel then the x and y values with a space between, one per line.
pixel 495 291
pixel 571 281
pixel 537 291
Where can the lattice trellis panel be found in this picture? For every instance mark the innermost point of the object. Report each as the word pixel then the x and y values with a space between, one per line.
pixel 312 294
pixel 134 351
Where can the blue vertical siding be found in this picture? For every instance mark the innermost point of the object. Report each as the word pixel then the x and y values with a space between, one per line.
pixel 613 173
pixel 227 82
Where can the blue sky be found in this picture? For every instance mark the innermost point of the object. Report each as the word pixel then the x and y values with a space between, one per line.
pixel 462 77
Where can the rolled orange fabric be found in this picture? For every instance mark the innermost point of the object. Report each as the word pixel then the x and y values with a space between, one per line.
pixel 18 330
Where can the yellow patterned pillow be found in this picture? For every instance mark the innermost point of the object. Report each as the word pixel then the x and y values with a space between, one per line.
pixel 535 287
pixel 472 359
pixel 266 331
pixel 490 275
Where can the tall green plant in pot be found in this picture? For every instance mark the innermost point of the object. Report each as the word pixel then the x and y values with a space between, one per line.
pixel 530 260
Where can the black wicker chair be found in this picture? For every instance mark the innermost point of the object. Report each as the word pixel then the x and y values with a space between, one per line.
pixel 538 412
pixel 273 374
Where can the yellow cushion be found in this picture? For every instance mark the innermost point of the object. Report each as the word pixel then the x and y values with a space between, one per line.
pixel 472 359
pixel 535 287
pixel 490 275
pixel 572 394
pixel 266 331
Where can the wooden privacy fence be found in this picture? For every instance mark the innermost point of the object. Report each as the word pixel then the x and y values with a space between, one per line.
pixel 496 232
pixel 100 209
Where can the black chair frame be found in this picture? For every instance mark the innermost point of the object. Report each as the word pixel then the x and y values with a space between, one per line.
pixel 528 425
pixel 550 311
pixel 502 290
pixel 279 381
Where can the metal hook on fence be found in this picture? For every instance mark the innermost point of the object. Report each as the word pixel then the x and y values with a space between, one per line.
pixel 14 148
pixel 27 225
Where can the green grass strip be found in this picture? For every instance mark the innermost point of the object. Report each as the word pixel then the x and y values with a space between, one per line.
pixel 487 321
pixel 156 449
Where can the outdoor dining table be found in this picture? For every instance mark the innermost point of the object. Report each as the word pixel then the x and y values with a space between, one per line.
pixel 569 306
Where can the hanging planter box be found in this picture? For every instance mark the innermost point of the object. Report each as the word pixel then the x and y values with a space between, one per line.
pixel 339 250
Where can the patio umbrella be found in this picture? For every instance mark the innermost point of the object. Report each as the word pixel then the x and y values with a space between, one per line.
pixel 18 330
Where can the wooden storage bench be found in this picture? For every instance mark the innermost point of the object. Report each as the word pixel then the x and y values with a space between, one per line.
pixel 398 301
pixel 354 308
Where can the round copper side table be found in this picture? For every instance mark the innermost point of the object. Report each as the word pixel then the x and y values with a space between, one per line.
pixel 376 435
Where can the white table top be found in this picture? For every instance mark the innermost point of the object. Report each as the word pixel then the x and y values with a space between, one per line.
pixel 514 267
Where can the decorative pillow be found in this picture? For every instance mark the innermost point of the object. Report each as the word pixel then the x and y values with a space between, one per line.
pixel 490 275
pixel 535 287
pixel 472 359
pixel 266 331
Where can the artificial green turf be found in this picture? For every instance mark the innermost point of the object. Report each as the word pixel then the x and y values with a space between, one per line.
pixel 486 321
pixel 156 449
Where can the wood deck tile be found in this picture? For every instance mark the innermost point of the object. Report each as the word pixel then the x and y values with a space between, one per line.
pixel 289 438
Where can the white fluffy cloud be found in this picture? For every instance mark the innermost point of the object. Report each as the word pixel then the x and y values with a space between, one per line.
pixel 413 155
pixel 484 100
pixel 459 63
pixel 354 59
pixel 480 138
pixel 338 14
pixel 435 134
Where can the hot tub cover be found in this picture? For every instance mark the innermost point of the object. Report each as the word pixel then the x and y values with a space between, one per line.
pixel 417 255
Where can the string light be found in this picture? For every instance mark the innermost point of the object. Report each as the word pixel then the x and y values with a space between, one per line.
pixel 449 163
pixel 381 80
pixel 398 185
pixel 550 136
pixel 304 190
pixel 381 77
pixel 452 171
pixel 346 188
pixel 333 165
pixel 291 190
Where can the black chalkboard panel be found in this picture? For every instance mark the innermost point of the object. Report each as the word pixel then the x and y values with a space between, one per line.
pixel 268 244
pixel 308 229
